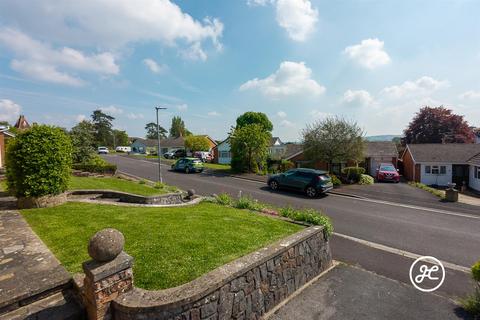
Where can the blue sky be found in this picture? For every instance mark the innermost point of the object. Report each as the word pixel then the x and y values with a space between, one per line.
pixel 375 62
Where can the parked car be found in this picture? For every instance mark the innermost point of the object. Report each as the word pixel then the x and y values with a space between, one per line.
pixel 123 149
pixel 175 154
pixel 312 182
pixel 387 172
pixel 203 155
pixel 102 150
pixel 188 165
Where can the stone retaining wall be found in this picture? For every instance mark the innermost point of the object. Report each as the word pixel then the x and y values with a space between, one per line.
pixel 164 199
pixel 246 288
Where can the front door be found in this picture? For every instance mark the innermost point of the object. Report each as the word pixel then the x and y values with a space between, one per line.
pixel 460 174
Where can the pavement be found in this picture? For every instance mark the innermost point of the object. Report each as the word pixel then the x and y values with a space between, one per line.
pixel 381 236
pixel 348 292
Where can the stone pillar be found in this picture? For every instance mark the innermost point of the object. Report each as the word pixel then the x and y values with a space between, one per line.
pixel 108 275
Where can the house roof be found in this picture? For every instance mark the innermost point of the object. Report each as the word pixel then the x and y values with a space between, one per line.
pixel 475 160
pixel 274 140
pixel 457 153
pixel 22 123
pixel 380 149
pixel 4 131
pixel 164 143
pixel 209 138
pixel 293 149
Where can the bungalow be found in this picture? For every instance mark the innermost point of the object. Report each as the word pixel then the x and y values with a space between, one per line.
pixel 149 146
pixel 375 152
pixel 474 181
pixel 211 143
pixel 440 164
pixel 221 152
pixel 4 136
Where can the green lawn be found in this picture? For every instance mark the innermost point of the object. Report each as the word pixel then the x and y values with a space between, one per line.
pixel 112 183
pixel 171 246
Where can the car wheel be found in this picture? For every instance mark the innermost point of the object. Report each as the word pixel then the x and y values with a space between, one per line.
pixel 311 192
pixel 273 185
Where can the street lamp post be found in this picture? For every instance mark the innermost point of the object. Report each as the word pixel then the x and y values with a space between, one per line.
pixel 158 147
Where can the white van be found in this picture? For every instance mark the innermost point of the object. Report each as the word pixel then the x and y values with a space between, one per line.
pixel 123 149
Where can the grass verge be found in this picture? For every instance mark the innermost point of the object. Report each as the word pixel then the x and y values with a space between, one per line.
pixel 117 184
pixel 435 192
pixel 171 246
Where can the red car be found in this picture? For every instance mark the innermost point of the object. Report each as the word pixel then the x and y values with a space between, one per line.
pixel 387 172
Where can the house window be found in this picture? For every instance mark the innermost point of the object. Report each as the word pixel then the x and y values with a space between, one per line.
pixel 436 170
pixel 476 171
pixel 225 154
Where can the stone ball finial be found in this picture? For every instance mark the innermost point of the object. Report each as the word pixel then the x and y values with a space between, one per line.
pixel 190 192
pixel 106 245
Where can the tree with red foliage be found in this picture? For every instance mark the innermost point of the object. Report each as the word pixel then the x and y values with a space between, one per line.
pixel 438 125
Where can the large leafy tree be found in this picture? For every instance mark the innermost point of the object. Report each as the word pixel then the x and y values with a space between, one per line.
pixel 151 128
pixel 102 123
pixel 438 125
pixel 249 147
pixel 197 143
pixel 178 129
pixel 333 139
pixel 121 137
pixel 83 141
pixel 252 117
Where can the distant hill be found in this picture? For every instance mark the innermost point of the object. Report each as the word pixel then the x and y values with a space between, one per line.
pixel 385 137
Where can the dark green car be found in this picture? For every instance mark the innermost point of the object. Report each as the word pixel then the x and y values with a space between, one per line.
pixel 312 182
pixel 188 165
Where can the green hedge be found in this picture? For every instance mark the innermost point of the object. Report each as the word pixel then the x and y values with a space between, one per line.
pixel 39 161
pixel 365 179
pixel 96 165
pixel 353 173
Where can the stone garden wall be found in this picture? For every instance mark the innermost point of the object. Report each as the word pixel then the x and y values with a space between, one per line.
pixel 164 199
pixel 246 288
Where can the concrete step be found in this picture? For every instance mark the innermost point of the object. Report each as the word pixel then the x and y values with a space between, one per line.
pixel 58 306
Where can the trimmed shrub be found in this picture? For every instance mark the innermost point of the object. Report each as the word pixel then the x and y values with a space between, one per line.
pixel 39 162
pixel 336 182
pixel 96 164
pixel 476 271
pixel 353 173
pixel 310 216
pixel 435 192
pixel 365 179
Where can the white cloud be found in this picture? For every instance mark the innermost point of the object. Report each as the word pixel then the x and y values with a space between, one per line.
pixel 357 97
pixel 287 124
pixel 421 87
pixel 112 110
pixel 85 23
pixel 291 78
pixel 135 116
pixel 369 53
pixel 9 110
pixel 470 95
pixel 213 114
pixel 80 117
pixel 317 114
pixel 182 107
pixel 194 52
pixel 281 114
pixel 154 66
pixel 40 61
pixel 297 17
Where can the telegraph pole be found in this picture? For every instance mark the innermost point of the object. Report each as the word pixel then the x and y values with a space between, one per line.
pixel 160 179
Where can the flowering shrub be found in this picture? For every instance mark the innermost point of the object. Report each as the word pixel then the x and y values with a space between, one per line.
pixel 366 179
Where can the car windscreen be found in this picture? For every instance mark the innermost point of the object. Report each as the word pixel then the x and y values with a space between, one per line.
pixel 387 168
pixel 196 161
pixel 323 177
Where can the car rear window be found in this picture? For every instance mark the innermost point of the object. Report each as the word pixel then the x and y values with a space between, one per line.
pixel 197 161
